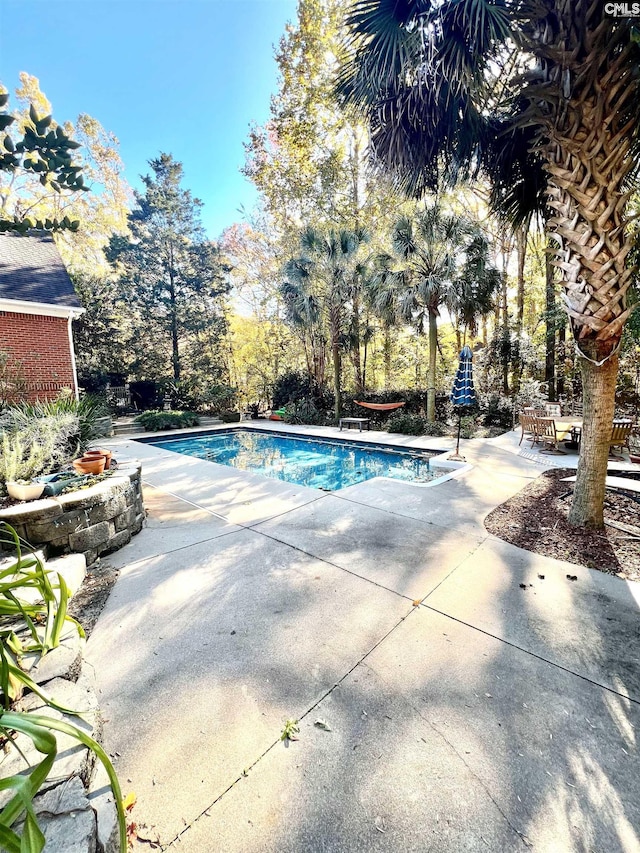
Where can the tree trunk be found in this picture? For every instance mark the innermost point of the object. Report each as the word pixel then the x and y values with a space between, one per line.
pixel 175 354
pixel 550 333
pixel 562 352
pixel 431 378
pixel 586 137
pixel 521 243
pixel 335 349
pixel 599 384
pixel 387 355
pixel 355 351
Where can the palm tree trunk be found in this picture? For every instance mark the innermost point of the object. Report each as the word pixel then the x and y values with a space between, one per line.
pixel 431 378
pixel 599 384
pixel 562 353
pixel 387 355
pixel 521 243
pixel 335 349
pixel 588 158
pixel 550 330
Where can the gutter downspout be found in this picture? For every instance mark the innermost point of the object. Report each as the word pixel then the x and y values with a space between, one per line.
pixel 76 390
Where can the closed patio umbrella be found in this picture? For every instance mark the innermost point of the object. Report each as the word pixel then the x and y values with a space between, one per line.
pixel 463 395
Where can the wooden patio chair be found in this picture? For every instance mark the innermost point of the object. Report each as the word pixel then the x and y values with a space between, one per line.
pixel 548 435
pixel 553 410
pixel 620 432
pixel 528 427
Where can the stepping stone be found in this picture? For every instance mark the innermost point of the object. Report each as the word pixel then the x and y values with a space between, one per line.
pixel 614 483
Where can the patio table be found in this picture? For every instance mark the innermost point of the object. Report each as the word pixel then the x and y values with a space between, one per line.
pixel 569 429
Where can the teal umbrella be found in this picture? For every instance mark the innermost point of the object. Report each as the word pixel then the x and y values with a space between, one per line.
pixel 463 394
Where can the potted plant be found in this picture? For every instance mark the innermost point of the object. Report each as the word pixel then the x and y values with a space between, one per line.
pixel 89 464
pixel 24 490
pixel 96 453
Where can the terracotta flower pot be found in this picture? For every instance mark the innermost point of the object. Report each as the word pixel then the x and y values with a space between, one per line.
pixel 25 492
pixel 89 465
pixel 96 453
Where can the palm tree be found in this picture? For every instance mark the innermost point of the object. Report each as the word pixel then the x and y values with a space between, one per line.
pixel 319 285
pixel 545 98
pixel 439 259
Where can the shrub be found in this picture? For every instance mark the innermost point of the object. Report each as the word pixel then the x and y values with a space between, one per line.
pixel 155 421
pixel 468 427
pixel 36 446
pixel 229 417
pixel 304 412
pixel 87 411
pixel 291 387
pixel 35 629
pixel 530 394
pixel 497 411
pixel 219 396
pixel 407 424
pixel 435 428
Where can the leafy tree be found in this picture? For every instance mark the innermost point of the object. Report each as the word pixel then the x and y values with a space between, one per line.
pixel 171 278
pixel 39 151
pixel 444 90
pixel 319 285
pixel 100 213
pixel 439 260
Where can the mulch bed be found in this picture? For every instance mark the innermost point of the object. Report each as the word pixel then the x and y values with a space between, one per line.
pixel 536 519
pixel 86 605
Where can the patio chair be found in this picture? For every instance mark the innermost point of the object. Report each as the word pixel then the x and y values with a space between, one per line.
pixel 620 432
pixel 548 435
pixel 553 410
pixel 528 427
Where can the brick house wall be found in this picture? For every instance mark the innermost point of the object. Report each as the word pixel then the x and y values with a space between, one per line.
pixel 39 353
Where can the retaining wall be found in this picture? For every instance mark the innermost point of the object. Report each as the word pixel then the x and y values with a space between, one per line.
pixel 92 521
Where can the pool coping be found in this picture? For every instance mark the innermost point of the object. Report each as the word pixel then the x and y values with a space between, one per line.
pixel 438 460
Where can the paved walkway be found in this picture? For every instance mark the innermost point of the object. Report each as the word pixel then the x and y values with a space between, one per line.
pixel 501 713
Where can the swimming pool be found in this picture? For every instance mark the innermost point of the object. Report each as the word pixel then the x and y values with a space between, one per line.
pixel 315 462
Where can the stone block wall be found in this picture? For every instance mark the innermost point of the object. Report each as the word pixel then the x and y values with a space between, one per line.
pixel 92 521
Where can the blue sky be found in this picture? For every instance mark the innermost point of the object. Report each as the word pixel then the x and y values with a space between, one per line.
pixel 183 76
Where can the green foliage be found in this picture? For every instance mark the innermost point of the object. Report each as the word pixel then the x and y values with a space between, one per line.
pixel 291 387
pixel 435 428
pixel 304 411
pixel 229 417
pixel 290 730
pixel 497 411
pixel 41 626
pixel 193 393
pixel 407 424
pixel 530 393
pixel 155 421
pixel 38 445
pixel 42 150
pixel 88 410
pixel 468 427
pixel 171 279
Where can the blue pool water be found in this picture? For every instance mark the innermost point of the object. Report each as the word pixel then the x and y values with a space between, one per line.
pixel 318 463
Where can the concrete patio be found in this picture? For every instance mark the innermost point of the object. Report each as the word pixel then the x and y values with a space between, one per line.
pixel 465 712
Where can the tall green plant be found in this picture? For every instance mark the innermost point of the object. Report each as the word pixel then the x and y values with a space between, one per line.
pixel 545 99
pixel 43 622
pixel 439 260
pixel 319 289
pixel 35 446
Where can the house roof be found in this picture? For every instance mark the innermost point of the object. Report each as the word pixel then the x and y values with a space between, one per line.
pixel 31 270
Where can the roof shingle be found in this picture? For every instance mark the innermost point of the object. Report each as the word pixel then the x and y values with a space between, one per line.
pixel 32 270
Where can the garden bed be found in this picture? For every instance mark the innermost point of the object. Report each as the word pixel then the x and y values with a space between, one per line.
pixel 91 521
pixel 536 519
